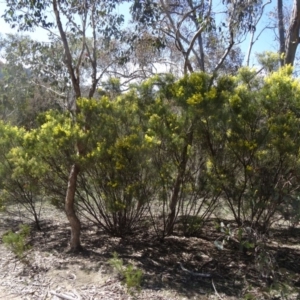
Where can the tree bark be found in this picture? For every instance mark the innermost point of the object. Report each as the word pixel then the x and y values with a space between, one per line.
pixel 75 224
pixel 281 31
pixel 292 39
pixel 178 184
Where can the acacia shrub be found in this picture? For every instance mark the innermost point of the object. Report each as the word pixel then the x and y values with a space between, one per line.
pixel 39 163
pixel 170 149
pixel 184 195
pixel 116 182
pixel 256 161
pixel 23 190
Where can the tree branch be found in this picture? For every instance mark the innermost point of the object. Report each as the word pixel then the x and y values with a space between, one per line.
pixel 68 56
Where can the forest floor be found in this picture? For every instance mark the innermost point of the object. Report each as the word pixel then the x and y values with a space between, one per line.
pixel 48 271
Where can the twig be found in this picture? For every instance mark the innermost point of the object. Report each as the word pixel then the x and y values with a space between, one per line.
pixel 76 293
pixel 218 295
pixel 46 294
pixel 63 296
pixel 38 284
pixel 206 275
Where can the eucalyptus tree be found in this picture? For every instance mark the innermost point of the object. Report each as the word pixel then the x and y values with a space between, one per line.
pixel 254 33
pixel 26 88
pixel 288 37
pixel 190 25
pixel 90 24
pixel 205 38
pixel 284 20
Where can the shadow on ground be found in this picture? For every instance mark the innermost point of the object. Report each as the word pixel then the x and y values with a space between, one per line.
pixel 234 273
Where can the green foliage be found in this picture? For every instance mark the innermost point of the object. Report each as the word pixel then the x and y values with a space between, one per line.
pixel 2 206
pixel 169 148
pixel 191 225
pixel 269 60
pixel 282 290
pixel 250 241
pixel 254 145
pixel 132 277
pixel 19 171
pixel 249 296
pixel 116 178
pixel 22 89
pixel 17 241
pixel 175 117
pixel 111 87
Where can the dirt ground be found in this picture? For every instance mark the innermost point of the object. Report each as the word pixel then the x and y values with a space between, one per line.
pixel 170 268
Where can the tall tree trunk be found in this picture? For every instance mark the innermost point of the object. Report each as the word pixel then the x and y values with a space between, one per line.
pixel 72 180
pixel 292 38
pixel 281 31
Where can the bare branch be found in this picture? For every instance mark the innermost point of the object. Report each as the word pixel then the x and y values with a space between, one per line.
pixel 61 95
pixel 68 56
pixel 222 59
pixel 252 41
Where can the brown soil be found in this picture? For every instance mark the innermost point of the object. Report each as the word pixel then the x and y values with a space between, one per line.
pixel 50 272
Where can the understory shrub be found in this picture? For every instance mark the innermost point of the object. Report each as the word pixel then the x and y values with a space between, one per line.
pixel 116 182
pixel 131 276
pixel 24 190
pixel 248 241
pixel 254 146
pixel 17 241
pixel 169 150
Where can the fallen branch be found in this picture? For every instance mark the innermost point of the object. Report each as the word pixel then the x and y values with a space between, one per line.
pixel 63 296
pixel 218 295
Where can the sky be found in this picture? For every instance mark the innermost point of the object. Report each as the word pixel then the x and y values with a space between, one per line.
pixel 39 34
pixel 266 41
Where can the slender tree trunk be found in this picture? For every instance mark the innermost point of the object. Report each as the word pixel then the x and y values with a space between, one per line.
pixel 72 181
pixel 281 31
pixel 70 210
pixel 173 203
pixel 37 221
pixel 252 40
pixel 292 38
pixel 250 48
pixel 178 184
pixel 200 55
pixel 200 41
